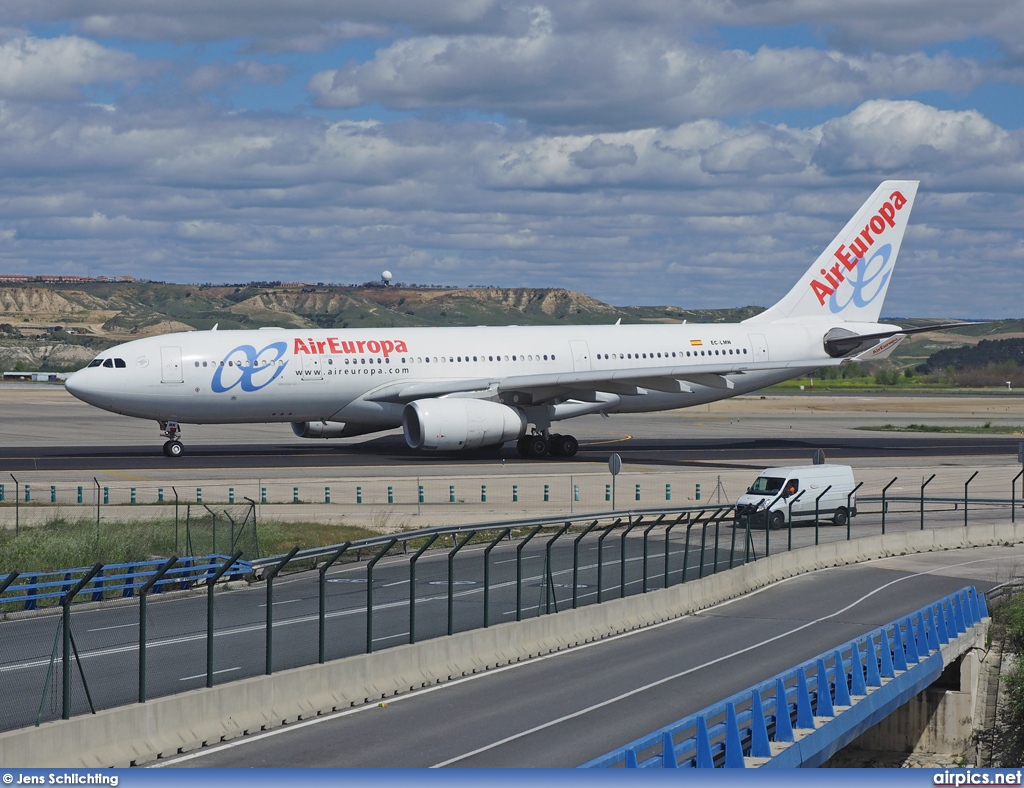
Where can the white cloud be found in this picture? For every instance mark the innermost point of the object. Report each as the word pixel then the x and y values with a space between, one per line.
pixel 55 69
pixel 617 80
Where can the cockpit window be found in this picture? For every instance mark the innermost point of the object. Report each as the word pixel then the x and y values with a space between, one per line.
pixel 108 363
pixel 119 363
pixel 96 362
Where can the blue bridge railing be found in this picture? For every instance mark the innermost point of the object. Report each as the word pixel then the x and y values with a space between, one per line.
pixel 31 588
pixel 851 687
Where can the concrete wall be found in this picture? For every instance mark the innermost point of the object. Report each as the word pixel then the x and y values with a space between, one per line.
pixel 166 726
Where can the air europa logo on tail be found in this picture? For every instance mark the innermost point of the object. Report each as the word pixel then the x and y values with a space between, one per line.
pixel 335 346
pixel 852 257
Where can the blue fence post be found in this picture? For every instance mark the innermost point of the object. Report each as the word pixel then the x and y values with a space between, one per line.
pixel 705 760
pixel 857 684
pixel 783 723
pixel 887 670
pixel 30 595
pixel 842 689
pixel 97 594
pixel 129 582
pixel 874 674
pixel 668 752
pixel 804 714
pixel 911 643
pixel 759 745
pixel 631 759
pixel 733 743
pixel 824 693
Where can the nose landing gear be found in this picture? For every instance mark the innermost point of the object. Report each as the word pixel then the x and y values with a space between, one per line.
pixel 172 430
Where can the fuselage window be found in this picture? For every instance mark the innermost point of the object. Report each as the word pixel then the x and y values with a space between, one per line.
pixel 552 358
pixel 197 363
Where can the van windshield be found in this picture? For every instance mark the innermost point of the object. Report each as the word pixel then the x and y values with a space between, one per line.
pixel 766 485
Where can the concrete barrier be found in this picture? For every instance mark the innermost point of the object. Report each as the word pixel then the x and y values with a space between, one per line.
pixel 179 723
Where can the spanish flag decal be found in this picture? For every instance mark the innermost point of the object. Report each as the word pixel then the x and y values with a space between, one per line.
pixel 696 342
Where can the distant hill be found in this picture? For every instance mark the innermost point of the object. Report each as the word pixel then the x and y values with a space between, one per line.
pixel 92 316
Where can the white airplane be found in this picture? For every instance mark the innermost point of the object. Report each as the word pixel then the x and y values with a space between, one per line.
pixel 465 388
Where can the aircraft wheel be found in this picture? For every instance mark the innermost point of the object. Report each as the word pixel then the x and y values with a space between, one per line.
pixel 536 445
pixel 565 445
pixel 174 449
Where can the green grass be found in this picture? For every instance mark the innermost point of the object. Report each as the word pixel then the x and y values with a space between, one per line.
pixel 62 543
pixel 986 429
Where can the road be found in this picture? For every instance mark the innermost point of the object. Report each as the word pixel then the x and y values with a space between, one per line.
pixel 565 708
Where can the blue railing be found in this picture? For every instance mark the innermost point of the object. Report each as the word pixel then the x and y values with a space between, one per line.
pixel 854 686
pixel 123 580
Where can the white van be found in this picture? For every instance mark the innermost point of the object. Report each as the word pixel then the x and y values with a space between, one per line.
pixel 770 495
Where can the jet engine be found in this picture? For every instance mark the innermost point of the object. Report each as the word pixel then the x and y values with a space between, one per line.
pixel 453 424
pixel 329 429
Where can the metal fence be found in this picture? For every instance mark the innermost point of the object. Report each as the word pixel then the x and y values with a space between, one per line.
pixel 80 655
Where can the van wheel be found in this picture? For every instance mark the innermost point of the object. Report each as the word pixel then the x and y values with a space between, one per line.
pixel 776 521
pixel 841 517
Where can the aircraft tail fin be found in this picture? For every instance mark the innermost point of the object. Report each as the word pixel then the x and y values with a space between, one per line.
pixel 849 279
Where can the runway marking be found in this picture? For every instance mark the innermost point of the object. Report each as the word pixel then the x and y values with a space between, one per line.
pixel 622 439
pixel 516 665
pixel 282 602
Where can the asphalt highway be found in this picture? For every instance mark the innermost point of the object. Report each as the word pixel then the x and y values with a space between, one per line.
pixel 564 709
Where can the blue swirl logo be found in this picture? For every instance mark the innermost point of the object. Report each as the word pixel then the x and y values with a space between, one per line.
pixel 868 280
pixel 248 368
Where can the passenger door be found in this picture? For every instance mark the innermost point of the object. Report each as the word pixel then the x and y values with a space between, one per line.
pixel 170 365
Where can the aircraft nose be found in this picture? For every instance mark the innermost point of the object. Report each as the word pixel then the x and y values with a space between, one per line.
pixel 77 386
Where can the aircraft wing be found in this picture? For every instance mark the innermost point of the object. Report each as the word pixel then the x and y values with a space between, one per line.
pixel 536 389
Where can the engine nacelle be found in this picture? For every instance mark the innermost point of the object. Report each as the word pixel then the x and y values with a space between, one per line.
pixel 323 429
pixel 453 424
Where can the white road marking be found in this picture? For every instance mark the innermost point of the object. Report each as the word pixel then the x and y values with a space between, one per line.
pixel 116 626
pixel 203 675
pixel 554 655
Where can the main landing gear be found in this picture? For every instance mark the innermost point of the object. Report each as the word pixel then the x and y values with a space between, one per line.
pixel 172 430
pixel 536 445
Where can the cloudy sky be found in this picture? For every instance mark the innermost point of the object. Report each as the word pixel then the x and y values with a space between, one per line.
pixel 644 152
